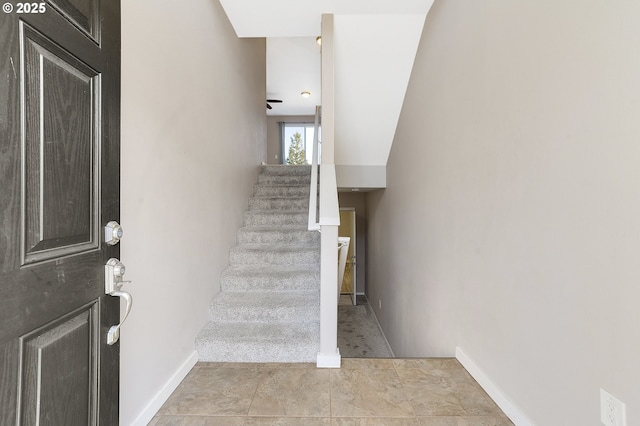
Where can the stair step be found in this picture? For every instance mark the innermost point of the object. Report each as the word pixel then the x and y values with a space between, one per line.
pixel 273 307
pixel 268 309
pixel 281 191
pixel 275 218
pixel 275 254
pixel 270 278
pixel 258 342
pixel 279 203
pixel 286 170
pixel 277 234
pixel 284 179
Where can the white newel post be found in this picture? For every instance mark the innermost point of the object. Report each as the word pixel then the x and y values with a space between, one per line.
pixel 329 355
pixel 329 219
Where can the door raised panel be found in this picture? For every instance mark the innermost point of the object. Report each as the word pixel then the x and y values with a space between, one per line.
pixel 59 173
pixel 85 14
pixel 61 101
pixel 58 378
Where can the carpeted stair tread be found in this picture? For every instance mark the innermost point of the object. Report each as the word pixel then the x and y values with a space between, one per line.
pixel 286 170
pixel 273 307
pixel 281 191
pixel 276 247
pixel 261 278
pixel 258 342
pixel 282 185
pixel 268 309
pixel 279 203
pixel 265 179
pixel 274 254
pixel 298 234
pixel 275 217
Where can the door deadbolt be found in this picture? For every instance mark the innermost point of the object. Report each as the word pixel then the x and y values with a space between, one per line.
pixel 112 233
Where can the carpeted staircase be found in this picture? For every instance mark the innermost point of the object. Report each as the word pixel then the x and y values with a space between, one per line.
pixel 268 309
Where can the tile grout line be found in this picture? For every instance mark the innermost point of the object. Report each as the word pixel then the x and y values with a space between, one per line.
pixel 395 371
pixel 331 394
pixel 255 392
pixel 333 377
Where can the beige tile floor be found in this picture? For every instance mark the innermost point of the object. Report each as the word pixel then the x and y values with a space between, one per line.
pixel 364 392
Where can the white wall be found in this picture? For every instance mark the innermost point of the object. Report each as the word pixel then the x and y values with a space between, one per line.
pixel 293 67
pixel 193 136
pixel 373 59
pixel 509 226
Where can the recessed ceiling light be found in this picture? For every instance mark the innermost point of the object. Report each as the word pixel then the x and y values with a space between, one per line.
pixel 319 40
pixel 305 94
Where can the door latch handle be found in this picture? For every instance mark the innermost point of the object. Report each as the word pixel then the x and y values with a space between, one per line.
pixel 114 332
pixel 113 281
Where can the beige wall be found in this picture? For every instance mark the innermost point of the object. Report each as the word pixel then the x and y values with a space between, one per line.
pixel 273 134
pixel 193 136
pixel 357 200
pixel 509 226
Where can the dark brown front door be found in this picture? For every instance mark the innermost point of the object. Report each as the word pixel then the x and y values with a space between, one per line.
pixel 59 186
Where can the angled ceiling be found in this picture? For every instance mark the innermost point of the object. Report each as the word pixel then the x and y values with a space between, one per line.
pixel 291 27
pixel 375 46
pixel 374 57
pixel 300 18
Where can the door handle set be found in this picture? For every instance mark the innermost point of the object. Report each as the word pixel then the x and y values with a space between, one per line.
pixel 113 335
pixel 113 281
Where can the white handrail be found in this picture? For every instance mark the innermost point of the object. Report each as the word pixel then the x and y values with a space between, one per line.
pixel 329 207
pixel 314 224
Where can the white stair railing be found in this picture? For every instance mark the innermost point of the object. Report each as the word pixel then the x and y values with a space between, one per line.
pixel 326 219
pixel 314 225
pixel 329 220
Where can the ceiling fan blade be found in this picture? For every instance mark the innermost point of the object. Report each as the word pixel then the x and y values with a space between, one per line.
pixel 275 101
pixel 269 106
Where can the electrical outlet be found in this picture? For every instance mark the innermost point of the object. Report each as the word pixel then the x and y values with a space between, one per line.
pixel 612 411
pixel 379 303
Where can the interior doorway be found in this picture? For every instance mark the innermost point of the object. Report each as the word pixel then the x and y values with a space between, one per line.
pixel 347 228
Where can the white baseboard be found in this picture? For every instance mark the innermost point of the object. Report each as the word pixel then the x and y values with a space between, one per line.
pixel 375 317
pixel 507 406
pixel 329 360
pixel 161 397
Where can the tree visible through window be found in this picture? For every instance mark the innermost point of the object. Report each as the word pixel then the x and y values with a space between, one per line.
pixel 297 134
pixel 296 150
